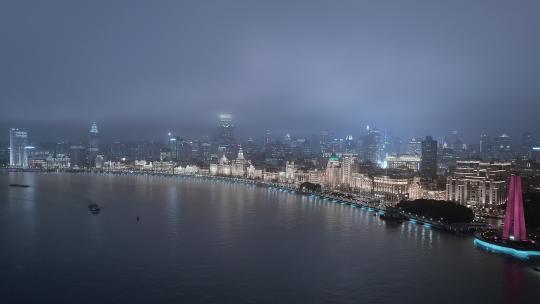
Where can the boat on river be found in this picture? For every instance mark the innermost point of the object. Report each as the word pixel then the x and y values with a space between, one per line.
pixel 19 185
pixel 94 208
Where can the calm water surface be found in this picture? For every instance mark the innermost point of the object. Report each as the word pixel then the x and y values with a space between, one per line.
pixel 201 241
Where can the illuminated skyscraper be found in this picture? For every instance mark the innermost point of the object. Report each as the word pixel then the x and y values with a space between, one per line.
pixel 225 134
pixel 18 141
pixel 348 167
pixel 93 145
pixel 225 129
pixel 173 146
pixel 414 147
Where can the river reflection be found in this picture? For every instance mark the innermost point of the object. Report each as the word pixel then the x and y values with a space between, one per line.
pixel 201 241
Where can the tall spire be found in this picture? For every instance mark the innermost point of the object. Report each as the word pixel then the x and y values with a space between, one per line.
pixel 514 218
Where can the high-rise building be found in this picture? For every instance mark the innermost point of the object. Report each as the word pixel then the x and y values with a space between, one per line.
pixel 527 143
pixel 428 164
pixel 350 144
pixel 93 145
pixel 485 146
pixel 171 144
pixel 414 146
pixel 184 149
pixel 225 132
pixel 370 145
pixel 18 141
pixel 76 155
pixel 324 142
pixel 61 148
pixel 118 150
pixel 267 137
pixel 180 149
pixel 348 167
pixel 503 147
pixel 454 141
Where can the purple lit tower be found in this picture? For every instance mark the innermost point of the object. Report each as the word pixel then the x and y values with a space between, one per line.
pixel 514 218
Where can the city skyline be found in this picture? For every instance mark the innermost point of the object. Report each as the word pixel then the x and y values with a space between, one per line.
pixel 284 151
pixel 242 133
pixel 372 145
pixel 416 69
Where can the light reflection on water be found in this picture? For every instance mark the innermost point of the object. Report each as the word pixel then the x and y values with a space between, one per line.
pixel 202 241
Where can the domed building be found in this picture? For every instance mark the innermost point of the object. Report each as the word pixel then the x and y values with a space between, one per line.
pixel 333 172
pixel 223 167
pixel 240 164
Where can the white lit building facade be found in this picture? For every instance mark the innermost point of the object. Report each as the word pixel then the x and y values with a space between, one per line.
pixel 18 142
pixel 476 183
pixel 410 162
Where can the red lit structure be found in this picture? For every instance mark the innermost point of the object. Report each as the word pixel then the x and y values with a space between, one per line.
pixel 514 240
pixel 514 218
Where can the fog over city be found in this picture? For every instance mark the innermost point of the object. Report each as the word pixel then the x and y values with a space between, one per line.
pixel 141 69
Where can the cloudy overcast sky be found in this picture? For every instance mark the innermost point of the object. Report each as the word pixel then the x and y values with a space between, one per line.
pixel 141 68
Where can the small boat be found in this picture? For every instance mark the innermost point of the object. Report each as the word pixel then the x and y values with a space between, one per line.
pixel 94 208
pixel 19 185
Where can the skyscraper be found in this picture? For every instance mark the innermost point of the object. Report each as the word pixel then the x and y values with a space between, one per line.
pixel 93 145
pixel 76 155
pixel 324 142
pixel 485 146
pixel 414 147
pixel 18 140
pixel 370 146
pixel 225 129
pixel 267 137
pixel 503 147
pixel 172 143
pixel 428 164
pixel 527 143
pixel 225 133
pixel 348 167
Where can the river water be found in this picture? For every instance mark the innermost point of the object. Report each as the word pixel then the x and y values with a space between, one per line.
pixel 207 241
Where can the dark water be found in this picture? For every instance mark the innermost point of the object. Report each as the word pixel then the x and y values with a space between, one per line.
pixel 203 241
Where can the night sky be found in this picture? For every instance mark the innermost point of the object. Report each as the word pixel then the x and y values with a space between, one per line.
pixel 140 69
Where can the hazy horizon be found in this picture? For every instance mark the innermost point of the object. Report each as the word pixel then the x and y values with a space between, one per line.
pixel 140 69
